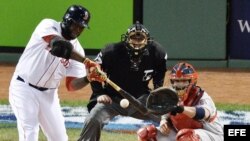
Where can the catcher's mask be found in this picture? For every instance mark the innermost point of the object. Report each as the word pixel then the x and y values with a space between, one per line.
pixel 181 76
pixel 136 40
pixel 74 21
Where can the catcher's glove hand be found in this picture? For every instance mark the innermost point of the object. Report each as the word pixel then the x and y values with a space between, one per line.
pixel 177 109
pixel 162 100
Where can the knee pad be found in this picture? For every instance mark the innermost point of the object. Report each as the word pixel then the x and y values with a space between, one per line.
pixel 147 133
pixel 187 135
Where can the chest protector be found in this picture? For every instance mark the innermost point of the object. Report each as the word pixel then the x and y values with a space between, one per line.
pixel 181 121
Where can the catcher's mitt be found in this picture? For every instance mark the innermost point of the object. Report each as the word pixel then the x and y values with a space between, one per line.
pixel 162 100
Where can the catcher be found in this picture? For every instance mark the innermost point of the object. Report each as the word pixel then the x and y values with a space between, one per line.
pixel 195 117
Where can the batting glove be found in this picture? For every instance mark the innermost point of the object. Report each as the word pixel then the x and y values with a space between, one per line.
pixel 95 74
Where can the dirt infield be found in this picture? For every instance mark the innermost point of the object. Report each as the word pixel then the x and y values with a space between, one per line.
pixel 223 85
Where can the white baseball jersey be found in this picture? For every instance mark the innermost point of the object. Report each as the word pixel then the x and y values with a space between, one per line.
pixel 33 107
pixel 38 67
pixel 211 131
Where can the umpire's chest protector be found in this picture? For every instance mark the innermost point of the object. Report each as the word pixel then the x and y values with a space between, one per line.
pixel 117 65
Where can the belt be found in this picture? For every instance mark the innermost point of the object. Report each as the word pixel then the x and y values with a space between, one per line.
pixel 31 85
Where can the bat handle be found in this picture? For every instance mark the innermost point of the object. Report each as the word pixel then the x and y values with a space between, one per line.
pixel 111 83
pixel 77 57
pixel 85 60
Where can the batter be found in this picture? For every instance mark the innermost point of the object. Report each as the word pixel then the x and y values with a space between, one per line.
pixel 33 91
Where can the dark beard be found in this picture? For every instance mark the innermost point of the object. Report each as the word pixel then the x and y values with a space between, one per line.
pixel 66 32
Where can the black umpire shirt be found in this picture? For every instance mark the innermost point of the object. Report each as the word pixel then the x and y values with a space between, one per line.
pixel 115 62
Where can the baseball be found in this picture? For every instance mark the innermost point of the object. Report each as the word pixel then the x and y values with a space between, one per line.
pixel 124 103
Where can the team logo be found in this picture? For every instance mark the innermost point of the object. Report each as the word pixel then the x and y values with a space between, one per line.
pixel 86 15
pixel 65 62
pixel 244 25
pixel 148 75
pixel 98 59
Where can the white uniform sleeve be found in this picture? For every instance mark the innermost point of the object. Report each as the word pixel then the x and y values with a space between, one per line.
pixel 207 102
pixel 48 27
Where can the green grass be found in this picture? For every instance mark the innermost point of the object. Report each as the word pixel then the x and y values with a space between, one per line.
pixel 9 133
pixel 74 103
pixel 220 106
pixel 233 107
pixel 4 101
pixel 71 103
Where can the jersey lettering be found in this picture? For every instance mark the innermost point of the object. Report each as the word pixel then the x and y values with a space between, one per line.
pixel 98 59
pixel 148 75
pixel 65 62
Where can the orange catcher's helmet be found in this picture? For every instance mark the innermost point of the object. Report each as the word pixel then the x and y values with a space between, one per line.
pixel 184 71
pixel 183 75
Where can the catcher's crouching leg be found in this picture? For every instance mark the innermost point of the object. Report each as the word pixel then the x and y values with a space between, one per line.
pixel 187 135
pixel 147 133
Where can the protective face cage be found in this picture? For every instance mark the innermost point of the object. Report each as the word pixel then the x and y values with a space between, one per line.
pixel 136 39
pixel 181 76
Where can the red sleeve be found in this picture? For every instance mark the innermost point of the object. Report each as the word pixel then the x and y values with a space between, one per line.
pixel 68 83
pixel 48 38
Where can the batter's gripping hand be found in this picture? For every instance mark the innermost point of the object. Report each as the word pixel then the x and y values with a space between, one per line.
pixel 89 63
pixel 61 48
pixel 95 74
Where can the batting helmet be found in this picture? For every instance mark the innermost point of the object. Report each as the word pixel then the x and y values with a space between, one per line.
pixel 75 14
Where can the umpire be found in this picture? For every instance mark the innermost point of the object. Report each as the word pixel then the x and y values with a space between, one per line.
pixel 131 64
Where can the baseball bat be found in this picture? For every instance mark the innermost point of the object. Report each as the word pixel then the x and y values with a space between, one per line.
pixel 136 103
pixel 77 57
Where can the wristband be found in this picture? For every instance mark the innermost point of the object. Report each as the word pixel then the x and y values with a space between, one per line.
pixel 200 113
